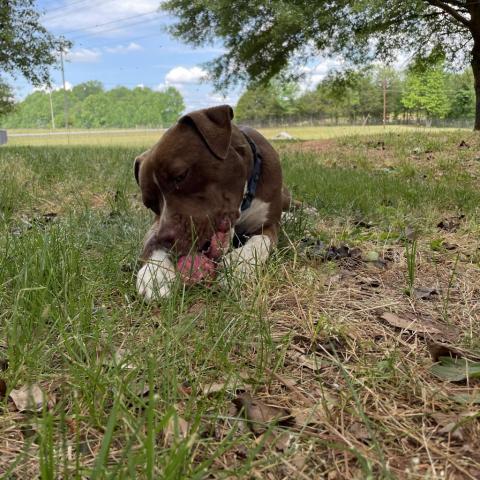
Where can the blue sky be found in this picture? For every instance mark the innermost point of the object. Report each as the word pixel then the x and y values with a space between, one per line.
pixel 124 42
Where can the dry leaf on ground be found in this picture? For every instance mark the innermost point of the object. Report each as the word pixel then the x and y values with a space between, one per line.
pixel 176 429
pixel 259 414
pixel 425 293
pixel 278 440
pixel 227 386
pixel 456 369
pixel 452 424
pixel 312 362
pixel 412 324
pixel 439 349
pixel 314 415
pixel 29 398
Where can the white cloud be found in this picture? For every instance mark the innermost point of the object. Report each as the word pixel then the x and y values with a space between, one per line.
pixel 314 75
pixel 181 76
pixel 54 87
pixel 219 99
pixel 131 47
pixel 93 15
pixel 83 55
pixel 187 49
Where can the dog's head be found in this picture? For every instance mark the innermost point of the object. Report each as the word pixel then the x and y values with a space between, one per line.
pixel 193 179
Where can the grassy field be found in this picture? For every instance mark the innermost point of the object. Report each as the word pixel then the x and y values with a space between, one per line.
pixel 321 368
pixel 145 138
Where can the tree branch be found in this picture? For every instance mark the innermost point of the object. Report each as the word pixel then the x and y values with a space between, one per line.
pixel 457 3
pixel 451 11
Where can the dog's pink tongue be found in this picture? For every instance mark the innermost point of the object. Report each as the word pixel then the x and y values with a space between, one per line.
pixel 224 225
pixel 219 244
pixel 195 268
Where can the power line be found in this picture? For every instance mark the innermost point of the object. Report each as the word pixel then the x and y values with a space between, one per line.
pixel 130 17
pixel 66 8
pixel 95 34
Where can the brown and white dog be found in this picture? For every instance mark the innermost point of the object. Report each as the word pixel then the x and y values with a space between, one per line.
pixel 205 173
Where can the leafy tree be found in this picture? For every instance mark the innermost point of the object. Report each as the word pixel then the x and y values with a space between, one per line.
pixel 25 45
pixel 83 90
pixel 277 99
pixel 6 98
pixel 263 37
pixel 426 92
pixel 461 95
pixel 93 107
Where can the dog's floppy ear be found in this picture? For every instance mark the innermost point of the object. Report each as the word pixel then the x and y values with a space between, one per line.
pixel 215 126
pixel 136 165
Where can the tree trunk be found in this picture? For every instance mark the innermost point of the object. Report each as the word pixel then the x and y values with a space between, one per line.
pixel 476 76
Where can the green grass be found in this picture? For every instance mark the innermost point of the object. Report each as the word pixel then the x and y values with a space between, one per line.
pixel 68 304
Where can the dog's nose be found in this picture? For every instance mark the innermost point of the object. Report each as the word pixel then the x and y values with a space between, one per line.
pixel 166 239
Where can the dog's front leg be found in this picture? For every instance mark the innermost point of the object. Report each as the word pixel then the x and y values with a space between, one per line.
pixel 156 277
pixel 244 261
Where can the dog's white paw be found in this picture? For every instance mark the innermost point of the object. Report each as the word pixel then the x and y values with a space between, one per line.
pixel 156 277
pixel 242 263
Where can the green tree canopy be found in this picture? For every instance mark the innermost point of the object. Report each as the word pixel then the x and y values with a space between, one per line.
pixel 430 93
pixel 91 106
pixel 426 92
pixel 26 47
pixel 6 98
pixel 263 38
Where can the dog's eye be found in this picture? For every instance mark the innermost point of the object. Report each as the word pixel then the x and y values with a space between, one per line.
pixel 180 178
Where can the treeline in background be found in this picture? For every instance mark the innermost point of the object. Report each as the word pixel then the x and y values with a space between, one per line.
pixel 425 96
pixel 89 105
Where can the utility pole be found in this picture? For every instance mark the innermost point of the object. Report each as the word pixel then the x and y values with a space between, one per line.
pixel 65 100
pixel 51 109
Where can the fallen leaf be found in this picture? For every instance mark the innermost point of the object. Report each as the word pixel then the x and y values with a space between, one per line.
pixel 463 144
pixel 424 293
pixel 448 425
pixel 414 325
pixel 314 415
pixel 438 349
pixel 278 440
pixel 230 385
pixel 29 398
pixel 120 359
pixel 312 362
pixel 359 431
pixel 468 398
pixel 456 369
pixel 176 429
pixel 451 424
pixel 299 461
pixel 259 414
